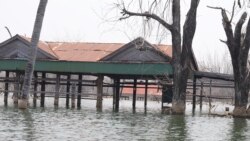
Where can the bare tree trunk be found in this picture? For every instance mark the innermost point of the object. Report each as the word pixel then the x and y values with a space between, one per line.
pixel 23 103
pixel 181 51
pixel 238 44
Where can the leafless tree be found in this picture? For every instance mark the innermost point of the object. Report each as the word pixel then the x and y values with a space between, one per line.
pixel 181 42
pixel 238 43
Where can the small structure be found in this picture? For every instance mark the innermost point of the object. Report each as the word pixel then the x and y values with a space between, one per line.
pixel 137 61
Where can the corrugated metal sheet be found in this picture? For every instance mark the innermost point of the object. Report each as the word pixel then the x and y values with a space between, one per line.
pixel 86 52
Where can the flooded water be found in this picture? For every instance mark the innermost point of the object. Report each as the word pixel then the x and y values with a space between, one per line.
pixel 88 124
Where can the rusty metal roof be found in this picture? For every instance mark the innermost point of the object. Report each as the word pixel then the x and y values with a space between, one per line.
pixel 86 51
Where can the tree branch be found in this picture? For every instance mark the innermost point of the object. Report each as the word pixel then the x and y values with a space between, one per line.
pixel 147 15
pixel 189 30
pixel 232 12
pixel 237 31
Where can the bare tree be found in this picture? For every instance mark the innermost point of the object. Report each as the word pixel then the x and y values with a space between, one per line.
pixel 23 102
pixel 181 43
pixel 238 44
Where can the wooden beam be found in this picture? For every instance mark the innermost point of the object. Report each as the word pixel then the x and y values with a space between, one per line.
pixel 6 87
pixel 73 93
pixel 134 94
pixel 194 92
pixel 117 94
pixel 68 90
pixel 16 87
pixel 201 95
pixel 35 89
pixel 220 76
pixel 79 91
pixel 146 93
pixel 57 88
pixel 99 92
pixel 43 88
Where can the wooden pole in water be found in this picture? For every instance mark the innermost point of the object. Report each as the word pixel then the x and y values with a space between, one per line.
pixel 99 92
pixel 117 94
pixel 43 88
pixel 194 92
pixel 6 88
pixel 210 94
pixel 73 93
pixel 134 94
pixel 114 92
pixel 68 90
pixel 201 95
pixel 16 88
pixel 35 89
pixel 79 92
pixel 57 88
pixel 146 93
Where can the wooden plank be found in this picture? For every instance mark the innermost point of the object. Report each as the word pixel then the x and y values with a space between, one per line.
pixel 134 94
pixel 57 88
pixel 220 76
pixel 99 92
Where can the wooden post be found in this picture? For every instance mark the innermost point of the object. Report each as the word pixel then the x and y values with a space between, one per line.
pixel 35 89
pixel 99 84
pixel 73 93
pixel 79 92
pixel 114 93
pixel 201 95
pixel 146 94
pixel 117 94
pixel 194 92
pixel 16 88
pixel 6 88
pixel 57 88
pixel 68 90
pixel 43 88
pixel 210 94
pixel 134 94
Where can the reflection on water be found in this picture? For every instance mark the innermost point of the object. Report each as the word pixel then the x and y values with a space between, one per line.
pixel 89 124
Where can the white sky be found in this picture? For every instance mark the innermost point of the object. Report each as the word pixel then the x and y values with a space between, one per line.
pixel 85 20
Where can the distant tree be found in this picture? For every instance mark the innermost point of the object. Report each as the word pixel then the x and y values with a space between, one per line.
pixel 238 43
pixel 23 102
pixel 181 42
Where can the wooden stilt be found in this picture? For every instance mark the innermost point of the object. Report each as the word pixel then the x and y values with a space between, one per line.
pixel 134 94
pixel 146 94
pixel 35 89
pixel 117 94
pixel 194 93
pixel 201 95
pixel 114 93
pixel 210 94
pixel 43 88
pixel 73 93
pixel 68 90
pixel 16 88
pixel 99 92
pixel 57 88
pixel 79 92
pixel 6 88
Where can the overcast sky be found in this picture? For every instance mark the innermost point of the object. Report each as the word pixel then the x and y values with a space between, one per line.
pixel 92 21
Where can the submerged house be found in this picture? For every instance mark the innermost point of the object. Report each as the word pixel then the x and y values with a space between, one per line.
pixel 137 61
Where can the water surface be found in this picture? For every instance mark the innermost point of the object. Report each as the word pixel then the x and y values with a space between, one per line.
pixel 51 123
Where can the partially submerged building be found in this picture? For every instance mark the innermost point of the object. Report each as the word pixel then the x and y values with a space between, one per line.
pixel 137 61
